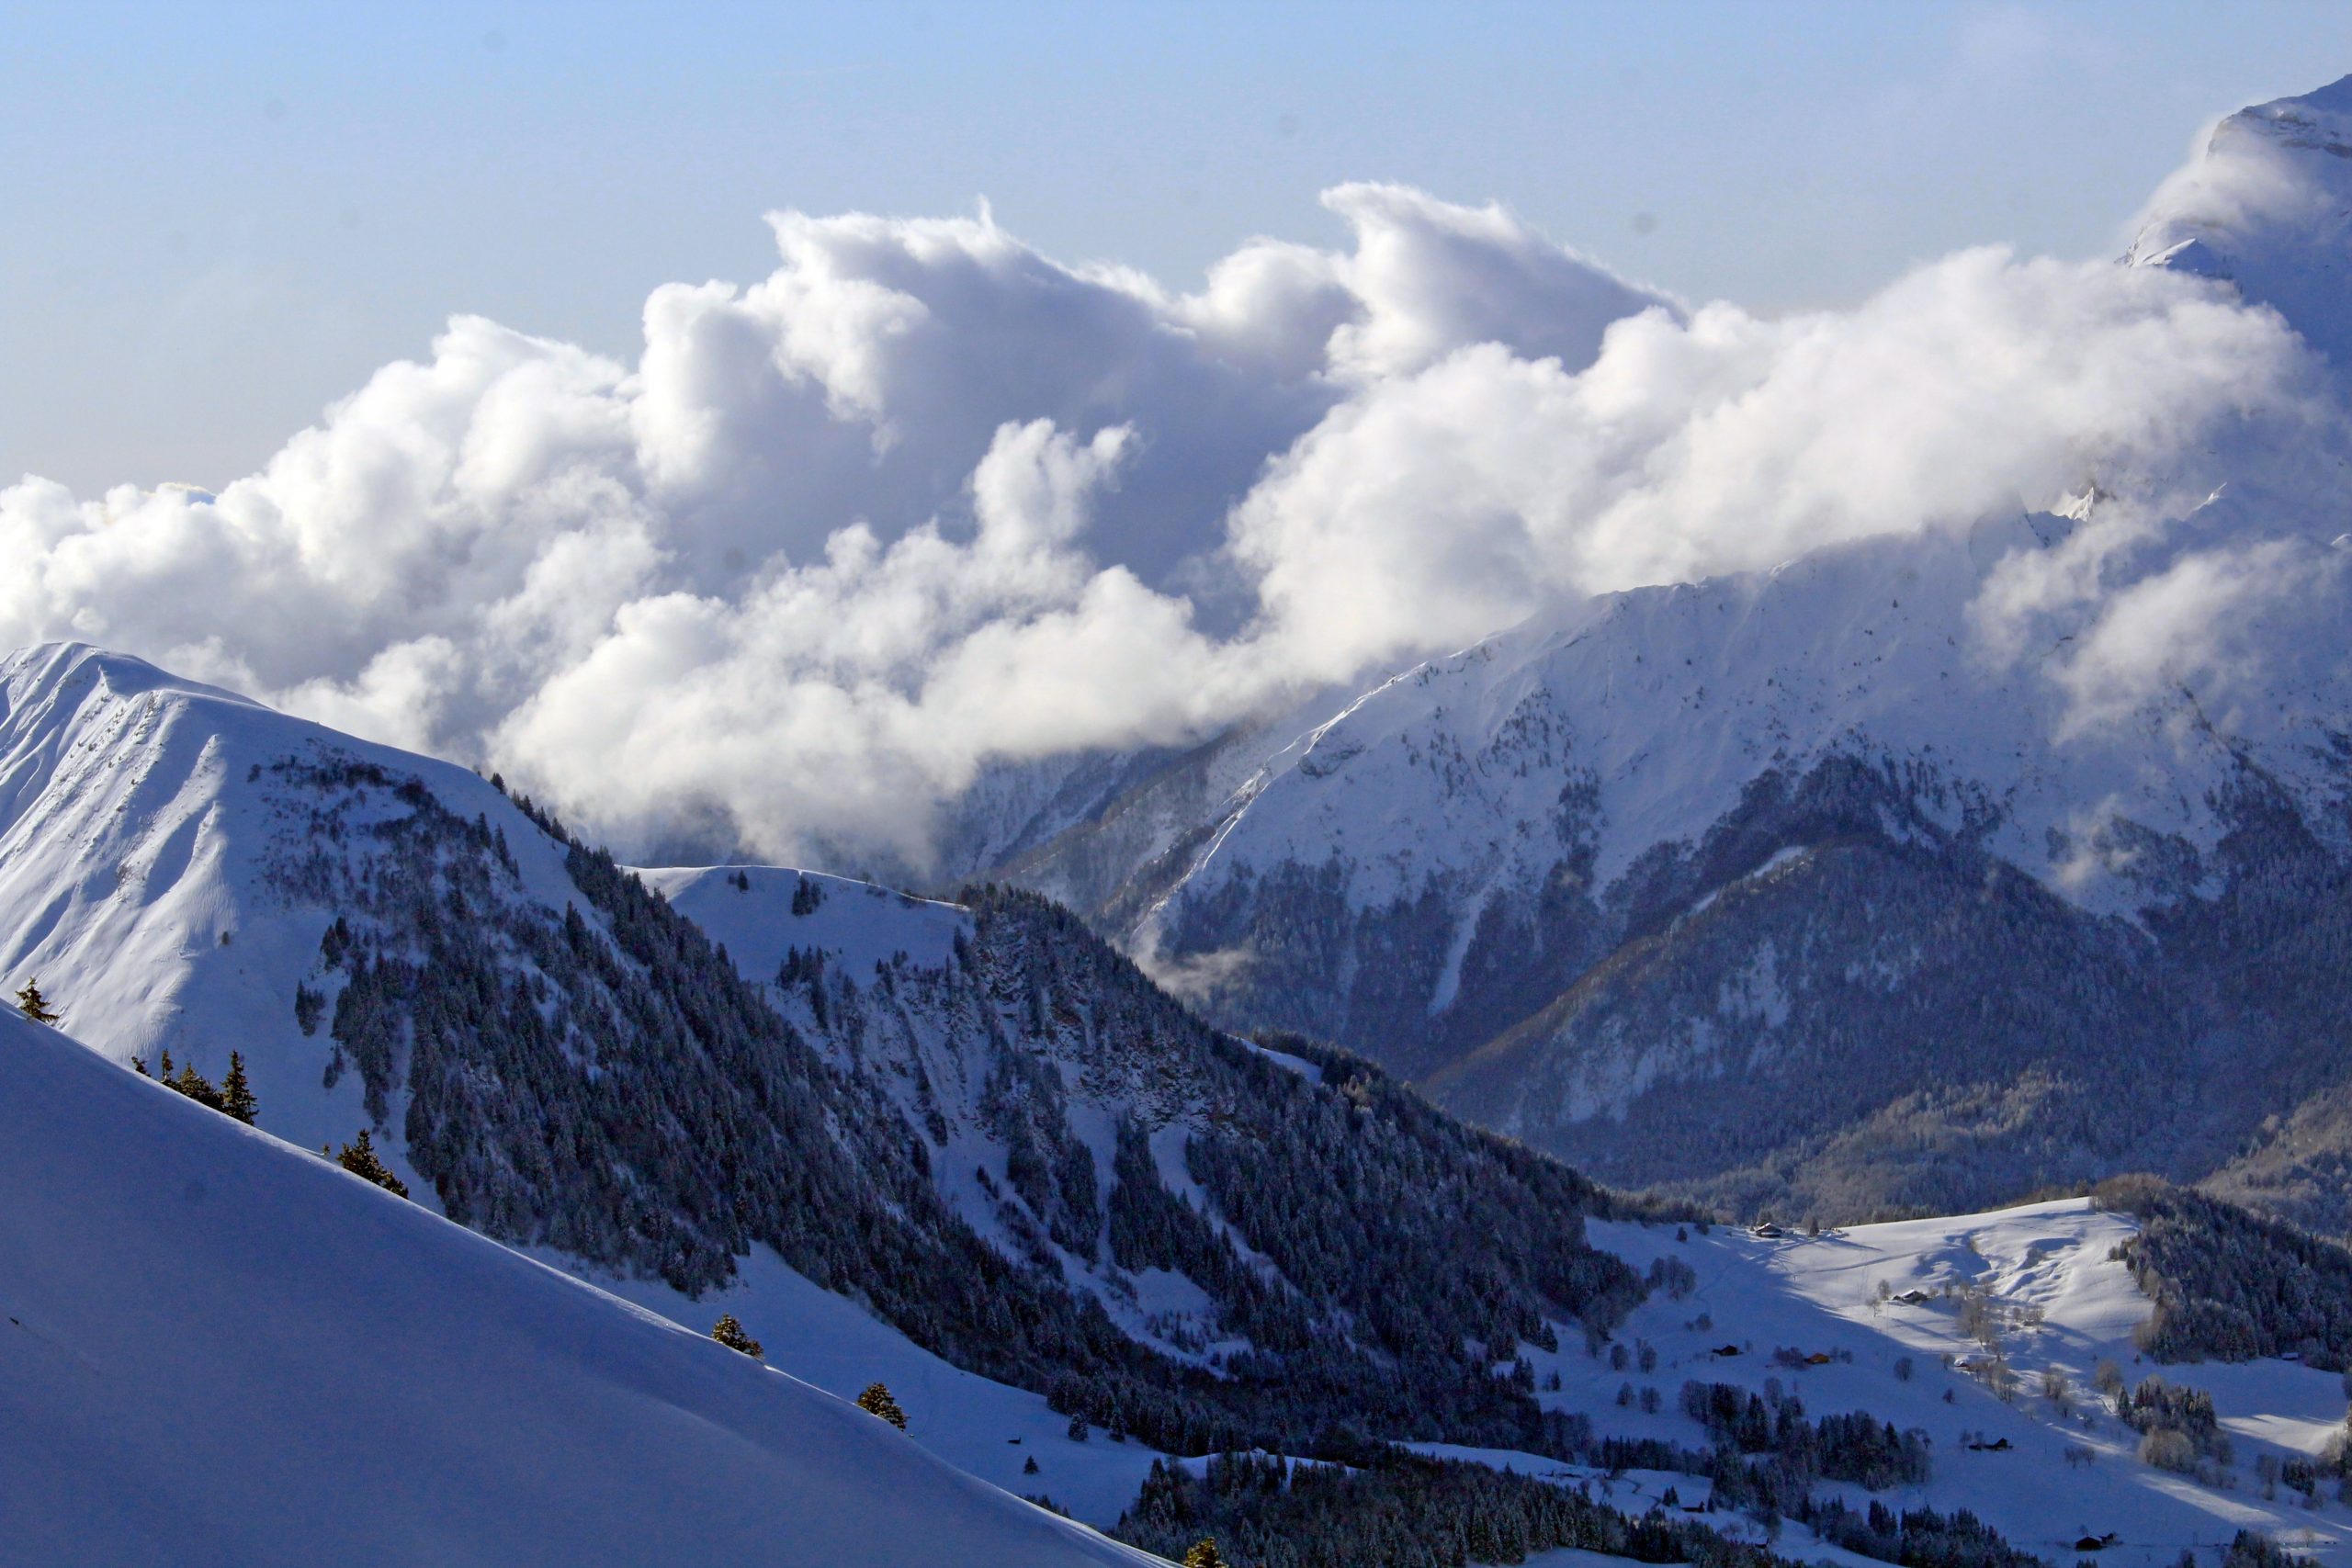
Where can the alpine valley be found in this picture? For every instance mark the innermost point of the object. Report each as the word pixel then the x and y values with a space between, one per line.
pixel 1844 1063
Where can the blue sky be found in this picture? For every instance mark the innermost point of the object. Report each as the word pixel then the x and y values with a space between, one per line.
pixel 220 217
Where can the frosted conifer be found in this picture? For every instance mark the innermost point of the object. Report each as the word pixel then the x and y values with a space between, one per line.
pixel 876 1400
pixel 236 1095
pixel 729 1333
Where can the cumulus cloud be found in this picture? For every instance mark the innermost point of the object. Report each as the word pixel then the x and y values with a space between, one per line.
pixel 924 499
pixel 1446 502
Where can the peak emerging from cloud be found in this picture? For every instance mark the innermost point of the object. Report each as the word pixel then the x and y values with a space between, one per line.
pixel 924 497
pixel 2266 207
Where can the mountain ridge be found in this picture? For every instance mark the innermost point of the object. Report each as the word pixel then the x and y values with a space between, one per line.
pixel 1529 875
pixel 982 1124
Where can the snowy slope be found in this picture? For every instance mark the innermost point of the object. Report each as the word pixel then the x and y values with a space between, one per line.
pixel 145 826
pixel 221 1349
pixel 1821 1294
pixel 144 818
pixel 854 924
pixel 984 1428
pixel 980 1126
pixel 1582 741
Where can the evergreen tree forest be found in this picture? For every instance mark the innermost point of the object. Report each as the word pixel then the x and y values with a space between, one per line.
pixel 1389 1508
pixel 2229 1285
pixel 603 1083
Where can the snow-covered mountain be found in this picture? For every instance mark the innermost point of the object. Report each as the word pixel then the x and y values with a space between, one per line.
pixel 220 1350
pixel 2268 210
pixel 1921 870
pixel 979 1123
pixel 963 1148
pixel 1690 877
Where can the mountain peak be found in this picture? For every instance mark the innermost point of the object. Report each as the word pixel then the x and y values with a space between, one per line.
pixel 2264 207
pixel 2318 119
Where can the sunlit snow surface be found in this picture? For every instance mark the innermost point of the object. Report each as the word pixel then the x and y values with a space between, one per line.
pixel 854 924
pixel 219 1349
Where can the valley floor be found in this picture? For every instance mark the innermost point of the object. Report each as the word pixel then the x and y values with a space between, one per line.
pixel 1808 1294
pixel 1821 1295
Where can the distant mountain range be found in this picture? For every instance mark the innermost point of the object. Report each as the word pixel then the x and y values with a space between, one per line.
pixel 1373 1073
pixel 963 1148
pixel 1910 874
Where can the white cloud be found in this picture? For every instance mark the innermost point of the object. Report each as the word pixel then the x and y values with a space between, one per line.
pixel 924 498
pixel 2196 627
pixel 1435 506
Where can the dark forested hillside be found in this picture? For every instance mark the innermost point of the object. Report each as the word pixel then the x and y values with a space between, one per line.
pixel 604 1082
pixel 2229 1285
pixel 1844 998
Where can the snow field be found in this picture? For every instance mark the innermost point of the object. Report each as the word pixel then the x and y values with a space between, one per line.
pixel 219 1349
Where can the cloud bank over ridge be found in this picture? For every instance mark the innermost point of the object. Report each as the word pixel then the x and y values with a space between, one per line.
pixel 923 498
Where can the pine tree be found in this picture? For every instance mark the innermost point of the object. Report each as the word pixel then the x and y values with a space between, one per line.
pixel 360 1159
pixel 1031 1467
pixel 729 1333
pixel 1203 1555
pixel 876 1400
pixel 196 1086
pixel 33 1005
pixel 236 1095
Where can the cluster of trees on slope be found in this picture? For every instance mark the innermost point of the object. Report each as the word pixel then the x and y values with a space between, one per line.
pixel 1854 1447
pixel 1917 1537
pixel 1766 1457
pixel 2178 1426
pixel 1409 1256
pixel 232 1096
pixel 2230 1285
pixel 603 1083
pixel 1393 1509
